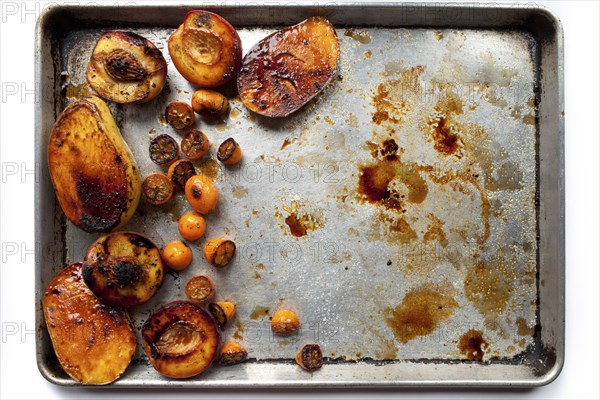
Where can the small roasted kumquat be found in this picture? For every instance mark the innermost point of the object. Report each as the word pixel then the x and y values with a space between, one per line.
pixel 192 225
pixel 177 255
pixel 201 193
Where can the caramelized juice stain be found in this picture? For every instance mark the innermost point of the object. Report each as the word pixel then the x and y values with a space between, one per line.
pixel 419 314
pixel 392 98
pixel 78 91
pixel 489 285
pixel 361 37
pixel 210 168
pixel 259 311
pixel 435 231
pixel 445 135
pixel 297 228
pixel 523 329
pixel 472 345
pixel 286 143
pixel 238 335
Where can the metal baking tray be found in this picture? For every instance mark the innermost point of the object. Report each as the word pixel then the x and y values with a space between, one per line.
pixel 464 252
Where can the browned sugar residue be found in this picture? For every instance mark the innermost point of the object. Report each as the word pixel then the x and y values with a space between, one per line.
pixel 392 98
pixel 472 345
pixel 419 314
pixel 286 143
pixel 375 184
pixel 239 192
pixel 450 102
pixel 238 335
pixel 367 54
pixel 523 329
pixel 362 36
pixel 78 91
pixel 438 35
pixel 402 229
pixel 435 231
pixel 445 135
pixel 489 286
pixel 260 266
pixel 259 311
pixel 210 168
pixel 300 225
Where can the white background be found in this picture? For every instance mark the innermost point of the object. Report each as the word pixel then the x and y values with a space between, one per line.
pixel 19 375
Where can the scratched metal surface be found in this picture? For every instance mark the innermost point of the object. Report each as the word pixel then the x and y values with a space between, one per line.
pixel 375 283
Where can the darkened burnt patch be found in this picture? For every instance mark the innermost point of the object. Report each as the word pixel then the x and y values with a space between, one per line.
pixel 296 227
pixel 472 345
pixel 390 150
pixel 196 192
pixel 103 202
pixel 445 135
pixel 141 241
pixel 373 182
pixel 392 183
pixel 126 273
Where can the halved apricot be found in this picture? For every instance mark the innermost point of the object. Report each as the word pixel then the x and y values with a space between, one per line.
pixel 124 268
pixel 206 49
pixel 126 68
pixel 286 69
pixel 180 339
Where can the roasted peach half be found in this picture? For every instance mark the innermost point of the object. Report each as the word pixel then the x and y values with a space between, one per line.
pixel 126 68
pixel 93 342
pixel 286 69
pixel 95 176
pixel 124 268
pixel 180 339
pixel 206 49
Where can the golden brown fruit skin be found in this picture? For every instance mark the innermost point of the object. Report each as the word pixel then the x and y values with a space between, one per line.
pixel 95 176
pixel 124 268
pixel 126 68
pixel 185 354
pixel 94 342
pixel 209 102
pixel 286 69
pixel 206 49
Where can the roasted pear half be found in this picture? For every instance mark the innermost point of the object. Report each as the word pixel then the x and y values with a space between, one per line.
pixel 286 69
pixel 206 49
pixel 95 176
pixel 180 339
pixel 126 68
pixel 93 342
pixel 124 268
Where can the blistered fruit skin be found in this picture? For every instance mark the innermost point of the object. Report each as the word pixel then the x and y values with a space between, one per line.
pixel 93 342
pixel 124 268
pixel 95 176
pixel 286 69
pixel 126 68
pixel 180 339
pixel 206 49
